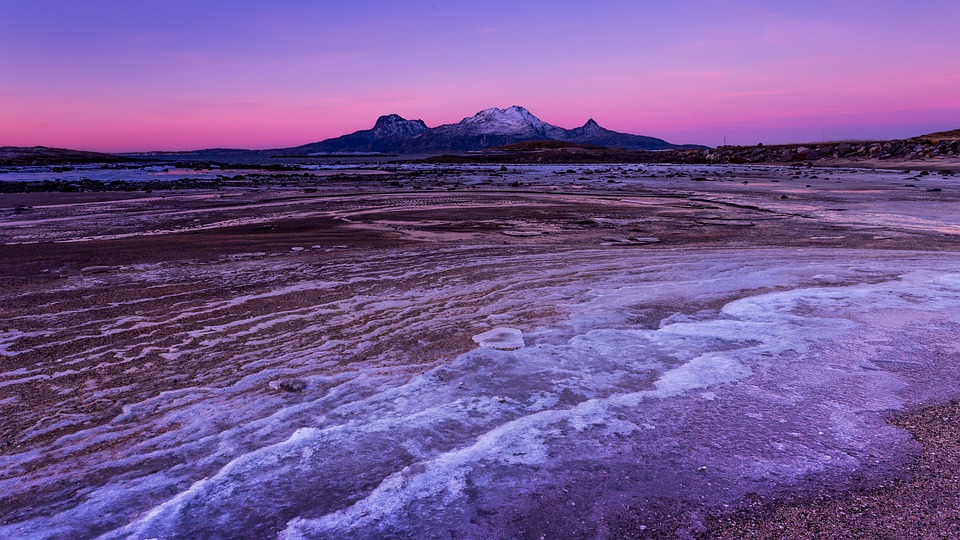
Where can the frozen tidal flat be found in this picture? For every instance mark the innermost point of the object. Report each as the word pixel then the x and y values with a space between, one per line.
pixel 333 393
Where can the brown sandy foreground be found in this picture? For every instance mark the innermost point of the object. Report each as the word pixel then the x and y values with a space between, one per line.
pixel 118 305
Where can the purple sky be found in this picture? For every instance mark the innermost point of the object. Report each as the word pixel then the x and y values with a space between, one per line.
pixel 174 75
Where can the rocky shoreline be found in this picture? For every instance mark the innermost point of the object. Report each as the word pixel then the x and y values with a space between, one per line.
pixel 927 148
pixel 934 152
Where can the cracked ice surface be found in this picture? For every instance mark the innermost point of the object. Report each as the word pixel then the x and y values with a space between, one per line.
pixel 696 375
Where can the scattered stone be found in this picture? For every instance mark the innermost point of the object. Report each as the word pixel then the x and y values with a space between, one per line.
pixel 631 241
pixel 725 222
pixel 289 385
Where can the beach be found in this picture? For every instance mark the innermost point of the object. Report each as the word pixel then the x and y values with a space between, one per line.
pixel 694 351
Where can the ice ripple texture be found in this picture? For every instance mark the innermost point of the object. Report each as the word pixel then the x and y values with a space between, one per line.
pixel 699 376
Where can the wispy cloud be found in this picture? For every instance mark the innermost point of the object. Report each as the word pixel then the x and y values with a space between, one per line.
pixel 755 93
pixel 213 106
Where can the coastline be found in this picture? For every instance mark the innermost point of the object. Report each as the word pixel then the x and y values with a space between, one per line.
pixel 126 266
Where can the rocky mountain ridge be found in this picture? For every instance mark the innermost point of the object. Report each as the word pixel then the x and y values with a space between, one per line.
pixel 488 128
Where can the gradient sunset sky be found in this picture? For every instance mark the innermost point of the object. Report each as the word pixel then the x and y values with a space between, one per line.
pixel 176 75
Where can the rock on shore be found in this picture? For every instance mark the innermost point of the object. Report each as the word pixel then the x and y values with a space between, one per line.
pixel 938 146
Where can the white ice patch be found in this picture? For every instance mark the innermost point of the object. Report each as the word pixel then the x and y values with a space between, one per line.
pixel 9 339
pixel 502 338
pixel 748 364
pixel 702 372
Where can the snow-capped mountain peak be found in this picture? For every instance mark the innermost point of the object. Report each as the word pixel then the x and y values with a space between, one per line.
pixel 512 120
pixel 489 127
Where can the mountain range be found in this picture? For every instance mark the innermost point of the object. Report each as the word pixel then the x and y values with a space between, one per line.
pixel 393 134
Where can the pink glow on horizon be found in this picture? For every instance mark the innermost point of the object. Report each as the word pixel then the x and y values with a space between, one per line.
pixel 112 78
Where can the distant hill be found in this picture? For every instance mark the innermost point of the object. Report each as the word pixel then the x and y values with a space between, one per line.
pixel 41 155
pixel 952 135
pixel 532 146
pixel 555 152
pixel 392 134
pixel 936 150
pixel 515 135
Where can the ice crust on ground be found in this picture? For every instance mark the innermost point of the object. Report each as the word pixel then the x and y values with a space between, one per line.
pixel 502 338
pixel 761 388
pixel 865 198
pixel 695 374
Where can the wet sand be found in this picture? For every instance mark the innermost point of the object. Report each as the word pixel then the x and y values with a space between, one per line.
pixel 922 502
pixel 119 309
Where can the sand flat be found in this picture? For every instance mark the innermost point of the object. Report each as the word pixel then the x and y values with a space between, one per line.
pixel 282 362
